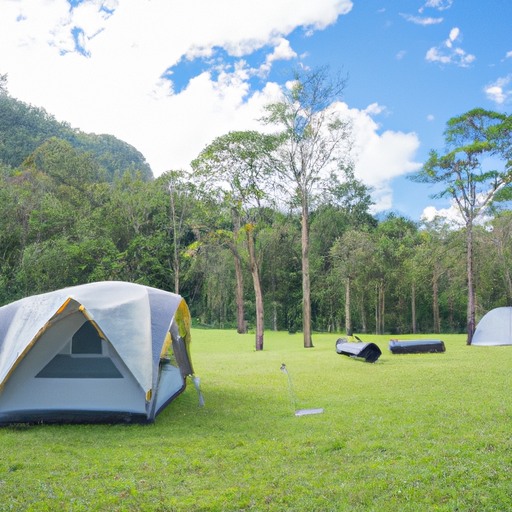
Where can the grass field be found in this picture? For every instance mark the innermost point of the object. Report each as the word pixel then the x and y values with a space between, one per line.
pixel 409 433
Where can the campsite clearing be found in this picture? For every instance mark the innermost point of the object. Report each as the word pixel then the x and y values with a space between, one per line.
pixel 416 432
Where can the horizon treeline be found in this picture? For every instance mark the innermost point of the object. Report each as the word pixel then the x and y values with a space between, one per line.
pixel 60 229
pixel 78 208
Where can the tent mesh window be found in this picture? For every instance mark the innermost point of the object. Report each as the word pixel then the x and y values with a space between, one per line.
pixel 87 344
pixel 86 340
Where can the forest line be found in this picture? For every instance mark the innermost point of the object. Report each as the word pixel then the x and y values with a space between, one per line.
pixel 238 235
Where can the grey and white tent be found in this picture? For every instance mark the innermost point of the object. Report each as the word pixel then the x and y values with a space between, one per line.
pixel 100 352
pixel 495 328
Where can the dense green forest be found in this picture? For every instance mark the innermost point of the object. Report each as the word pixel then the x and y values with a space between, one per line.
pixel 25 128
pixel 77 208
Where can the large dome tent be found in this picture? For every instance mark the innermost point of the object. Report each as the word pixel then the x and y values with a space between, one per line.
pixel 100 352
pixel 495 328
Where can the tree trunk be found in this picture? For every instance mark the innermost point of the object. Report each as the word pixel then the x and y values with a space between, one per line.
pixel 413 306
pixel 274 304
pixel 382 307
pixel 363 314
pixel 306 285
pixel 450 305
pixel 241 324
pixel 176 252
pixel 509 282
pixel 437 323
pixel 377 300
pixel 348 318
pixel 471 291
pixel 257 290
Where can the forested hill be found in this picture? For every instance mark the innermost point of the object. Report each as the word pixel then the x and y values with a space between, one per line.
pixel 25 128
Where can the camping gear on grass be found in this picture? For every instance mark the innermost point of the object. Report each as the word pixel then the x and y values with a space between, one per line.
pixel 298 412
pixel 416 346
pixel 369 352
pixel 99 352
pixel 495 328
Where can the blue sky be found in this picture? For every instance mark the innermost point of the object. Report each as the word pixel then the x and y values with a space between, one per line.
pixel 168 77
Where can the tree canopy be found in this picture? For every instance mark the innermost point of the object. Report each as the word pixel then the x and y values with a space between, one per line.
pixel 315 142
pixel 64 220
pixel 468 180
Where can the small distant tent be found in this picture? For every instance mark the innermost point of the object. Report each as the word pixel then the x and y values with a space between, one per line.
pixel 100 352
pixel 495 328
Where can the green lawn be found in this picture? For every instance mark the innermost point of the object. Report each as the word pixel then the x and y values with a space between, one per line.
pixel 409 433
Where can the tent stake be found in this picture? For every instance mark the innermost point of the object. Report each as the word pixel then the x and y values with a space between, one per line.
pixel 298 412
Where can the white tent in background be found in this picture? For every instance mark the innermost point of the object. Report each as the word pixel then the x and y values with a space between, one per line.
pixel 495 328
pixel 100 352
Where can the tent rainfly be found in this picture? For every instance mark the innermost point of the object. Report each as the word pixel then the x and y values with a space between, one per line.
pixel 495 328
pixel 101 352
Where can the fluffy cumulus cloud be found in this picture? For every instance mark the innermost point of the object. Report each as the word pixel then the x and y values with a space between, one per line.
pixel 498 91
pixel 452 215
pixel 380 157
pixel 283 51
pixel 449 53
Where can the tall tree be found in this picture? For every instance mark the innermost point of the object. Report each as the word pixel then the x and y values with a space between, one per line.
pixel 343 205
pixel 241 161
pixel 351 253
pixel 182 201
pixel 394 239
pixel 501 237
pixel 468 182
pixel 315 139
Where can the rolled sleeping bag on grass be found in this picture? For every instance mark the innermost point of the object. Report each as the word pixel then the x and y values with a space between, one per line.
pixel 416 346
pixel 367 351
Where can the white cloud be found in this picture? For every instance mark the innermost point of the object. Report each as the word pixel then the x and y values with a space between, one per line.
pixel 454 34
pixel 509 54
pixel 496 91
pixel 441 5
pixel 421 20
pixel 430 117
pixel 434 55
pixel 446 53
pixel 379 158
pixel 400 55
pixel 374 109
pixel 205 110
pixel 282 52
pixel 118 88
pixel 453 214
